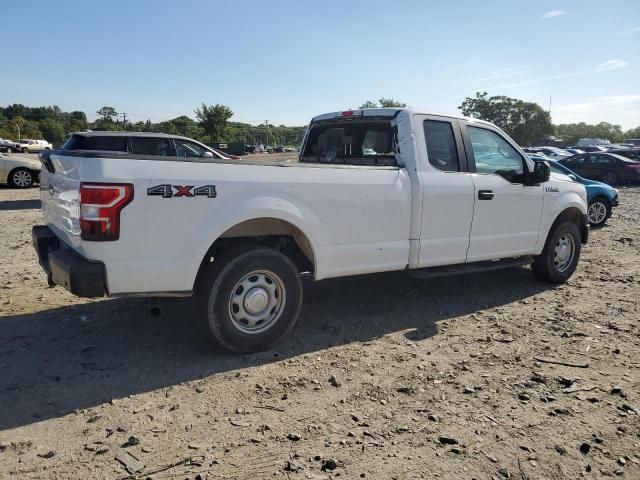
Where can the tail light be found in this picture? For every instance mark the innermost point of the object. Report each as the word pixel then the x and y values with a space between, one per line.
pixel 100 207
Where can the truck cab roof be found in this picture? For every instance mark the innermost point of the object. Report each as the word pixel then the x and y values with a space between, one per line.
pixel 390 112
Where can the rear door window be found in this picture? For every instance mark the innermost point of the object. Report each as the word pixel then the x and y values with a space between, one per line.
pixel 441 145
pixel 150 146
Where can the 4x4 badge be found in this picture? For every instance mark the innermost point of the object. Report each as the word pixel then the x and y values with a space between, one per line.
pixel 167 191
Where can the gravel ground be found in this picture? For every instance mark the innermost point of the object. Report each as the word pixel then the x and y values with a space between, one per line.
pixel 385 377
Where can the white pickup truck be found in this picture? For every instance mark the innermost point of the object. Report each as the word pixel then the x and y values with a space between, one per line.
pixel 373 190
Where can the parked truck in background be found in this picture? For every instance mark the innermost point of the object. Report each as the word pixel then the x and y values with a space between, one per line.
pixel 374 190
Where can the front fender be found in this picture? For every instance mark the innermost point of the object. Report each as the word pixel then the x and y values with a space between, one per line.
pixel 553 207
pixel 259 205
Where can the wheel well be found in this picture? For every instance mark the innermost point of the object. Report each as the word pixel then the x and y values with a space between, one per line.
pixel 601 197
pixel 571 214
pixel 273 233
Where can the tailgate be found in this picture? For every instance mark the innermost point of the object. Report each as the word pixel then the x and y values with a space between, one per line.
pixel 60 196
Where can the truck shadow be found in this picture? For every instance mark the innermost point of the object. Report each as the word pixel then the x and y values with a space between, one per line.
pixel 60 360
pixel 19 204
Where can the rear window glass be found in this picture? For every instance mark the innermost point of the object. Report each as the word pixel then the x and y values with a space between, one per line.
pixel 351 142
pixel 98 142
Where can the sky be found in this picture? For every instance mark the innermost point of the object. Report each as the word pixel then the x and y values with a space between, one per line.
pixel 288 60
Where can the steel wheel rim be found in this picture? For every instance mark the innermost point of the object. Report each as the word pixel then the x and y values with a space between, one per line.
pixel 563 253
pixel 609 178
pixel 257 302
pixel 597 213
pixel 22 178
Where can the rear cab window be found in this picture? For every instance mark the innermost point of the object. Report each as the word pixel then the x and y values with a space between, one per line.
pixel 356 141
pixel 105 143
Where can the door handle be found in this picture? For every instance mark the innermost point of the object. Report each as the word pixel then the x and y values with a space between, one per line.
pixel 485 194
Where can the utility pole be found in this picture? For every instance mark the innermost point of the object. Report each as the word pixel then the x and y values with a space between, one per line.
pixel 18 126
pixel 124 120
pixel 266 124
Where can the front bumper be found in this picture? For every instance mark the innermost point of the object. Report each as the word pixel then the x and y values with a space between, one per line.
pixel 66 267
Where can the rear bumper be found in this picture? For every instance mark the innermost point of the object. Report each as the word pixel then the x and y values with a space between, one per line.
pixel 66 267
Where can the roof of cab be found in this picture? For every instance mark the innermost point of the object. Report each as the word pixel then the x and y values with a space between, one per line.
pixel 391 112
pixel 122 133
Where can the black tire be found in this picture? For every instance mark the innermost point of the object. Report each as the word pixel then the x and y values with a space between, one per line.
pixel 610 178
pixel 21 178
pixel 546 266
pixel 25 150
pixel 604 206
pixel 217 294
pixel 9 150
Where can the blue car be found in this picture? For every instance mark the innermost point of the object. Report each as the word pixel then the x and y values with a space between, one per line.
pixel 600 196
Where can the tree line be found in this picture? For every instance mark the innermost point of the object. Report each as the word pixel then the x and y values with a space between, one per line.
pixel 526 122
pixel 211 124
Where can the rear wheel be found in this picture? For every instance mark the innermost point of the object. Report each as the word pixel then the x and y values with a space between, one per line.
pixel 610 178
pixel 560 256
pixel 9 150
pixel 599 211
pixel 249 299
pixel 21 178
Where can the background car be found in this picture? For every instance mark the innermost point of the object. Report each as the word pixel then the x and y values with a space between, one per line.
pixel 630 153
pixel 601 198
pixel 19 172
pixel 594 148
pixel 610 168
pixel 8 146
pixel 29 146
pixel 554 152
pixel 574 151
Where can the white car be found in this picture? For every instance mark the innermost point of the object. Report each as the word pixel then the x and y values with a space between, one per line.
pixel 19 172
pixel 441 194
pixel 30 146
pixel 554 153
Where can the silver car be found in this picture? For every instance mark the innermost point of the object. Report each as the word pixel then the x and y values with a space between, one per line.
pixel 19 172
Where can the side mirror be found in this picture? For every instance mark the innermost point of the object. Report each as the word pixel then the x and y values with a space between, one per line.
pixel 207 155
pixel 541 173
pixel 572 177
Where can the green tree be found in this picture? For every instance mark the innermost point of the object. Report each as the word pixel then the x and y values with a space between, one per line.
pixel 632 133
pixel 76 122
pixel 526 122
pixel 52 131
pixel 383 103
pixel 28 128
pixel 390 102
pixel 570 133
pixel 213 119
pixel 107 114
pixel 369 104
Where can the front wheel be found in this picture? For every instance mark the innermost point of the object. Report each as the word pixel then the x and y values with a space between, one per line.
pixel 598 212
pixel 249 299
pixel 560 256
pixel 25 150
pixel 21 178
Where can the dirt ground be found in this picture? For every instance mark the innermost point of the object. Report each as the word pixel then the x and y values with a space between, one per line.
pixel 385 377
